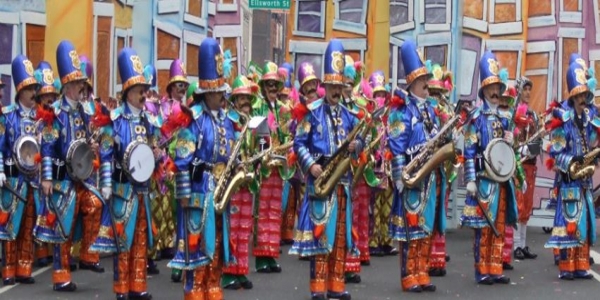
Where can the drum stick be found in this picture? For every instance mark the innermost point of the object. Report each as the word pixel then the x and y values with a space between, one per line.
pixel 487 218
pixel 186 248
pixel 12 191
pixel 58 216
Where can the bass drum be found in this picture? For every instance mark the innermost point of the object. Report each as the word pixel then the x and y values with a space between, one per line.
pixel 138 162
pixel 25 150
pixel 500 161
pixel 80 160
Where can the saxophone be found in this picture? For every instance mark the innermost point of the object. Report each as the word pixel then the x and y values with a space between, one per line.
pixel 276 156
pixel 229 182
pixel 432 155
pixel 585 169
pixel 361 167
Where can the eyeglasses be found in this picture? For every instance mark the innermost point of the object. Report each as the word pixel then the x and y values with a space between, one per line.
pixel 181 85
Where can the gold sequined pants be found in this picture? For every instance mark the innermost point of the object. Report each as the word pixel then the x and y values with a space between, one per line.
pixel 91 210
pixel 490 246
pixel 163 222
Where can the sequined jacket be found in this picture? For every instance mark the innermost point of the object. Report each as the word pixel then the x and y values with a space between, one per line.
pixel 14 122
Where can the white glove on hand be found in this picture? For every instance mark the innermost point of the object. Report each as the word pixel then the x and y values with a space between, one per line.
pixel 525 151
pixel 508 136
pixel 524 187
pixel 399 185
pixel 2 179
pixel 472 188
pixel 106 193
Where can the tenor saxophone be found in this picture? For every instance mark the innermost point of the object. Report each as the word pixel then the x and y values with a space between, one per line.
pixel 230 181
pixel 431 156
pixel 361 167
pixel 585 169
pixel 277 155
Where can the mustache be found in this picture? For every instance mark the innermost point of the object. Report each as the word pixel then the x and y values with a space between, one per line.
pixel 311 91
pixel 336 96
pixel 495 95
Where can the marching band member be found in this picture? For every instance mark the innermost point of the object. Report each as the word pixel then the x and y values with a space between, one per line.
pixel 268 225
pixel 240 207
pixel 46 95
pixel 572 143
pixel 490 205
pixel 416 213
pixel 203 149
pixel 18 213
pixel 440 85
pixel 62 194
pixel 309 83
pixel 529 121
pixel 324 225
pixel 128 210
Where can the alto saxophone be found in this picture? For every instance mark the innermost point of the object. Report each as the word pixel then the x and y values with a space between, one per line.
pixel 229 182
pixel 276 156
pixel 361 167
pixel 431 156
pixel 585 169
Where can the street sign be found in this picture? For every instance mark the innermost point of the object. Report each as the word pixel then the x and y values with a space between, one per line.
pixel 269 4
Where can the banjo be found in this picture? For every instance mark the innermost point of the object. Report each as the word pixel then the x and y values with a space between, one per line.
pixel 24 151
pixel 500 162
pixel 80 159
pixel 138 162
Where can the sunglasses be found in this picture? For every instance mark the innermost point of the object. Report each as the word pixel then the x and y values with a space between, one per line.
pixel 180 85
pixel 271 83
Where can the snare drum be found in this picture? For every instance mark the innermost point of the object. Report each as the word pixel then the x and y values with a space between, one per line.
pixel 80 160
pixel 138 162
pixel 500 161
pixel 24 151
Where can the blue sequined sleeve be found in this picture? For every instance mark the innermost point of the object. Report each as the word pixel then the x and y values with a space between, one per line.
pixel 301 144
pixel 398 131
pixel 184 153
pixel 50 136
pixel 107 142
pixel 559 151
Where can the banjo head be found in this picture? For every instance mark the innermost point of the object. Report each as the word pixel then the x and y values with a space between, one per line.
pixel 25 150
pixel 139 162
pixel 80 158
pixel 500 161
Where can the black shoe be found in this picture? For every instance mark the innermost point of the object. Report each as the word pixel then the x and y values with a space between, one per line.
pixel 518 254
pixel 437 272
pixel 65 287
pixel 486 280
pixel 428 288
pixel 121 296
pixel 286 242
pixel 245 283
pixel 8 281
pixel 389 250
pixel 375 251
pixel 447 258
pixel 25 280
pixel 566 276
pixel 342 296
pixel 352 278
pixel 528 254
pixel 501 279
pixel 507 266
pixel 275 269
pixel 168 253
pixel 583 275
pixel 265 269
pixel 140 296
pixel 304 258
pixel 73 266
pixel 94 267
pixel 365 263
pixel 318 296
pixel 176 275
pixel 153 270
pixel 415 289
pixel 234 285
pixel 592 261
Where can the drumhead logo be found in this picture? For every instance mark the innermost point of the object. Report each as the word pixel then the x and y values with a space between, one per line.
pixel 493 66
pixel 28 67
pixel 48 77
pixel 75 59
pixel 137 64
pixel 337 61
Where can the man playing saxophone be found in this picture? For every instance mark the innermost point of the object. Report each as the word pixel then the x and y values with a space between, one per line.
pixel 416 213
pixel 325 222
pixel 491 202
pixel 574 158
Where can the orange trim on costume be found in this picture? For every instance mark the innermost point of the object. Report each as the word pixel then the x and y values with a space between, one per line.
pixel 138 79
pixel 48 89
pixel 317 286
pixel 336 286
pixel 333 78
pixel 578 90
pixel 61 276
pixel 408 281
pixel 211 84
pixel 75 75
pixel 25 83
pixel 490 80
pixel 8 271
pixel 415 74
pixel 177 78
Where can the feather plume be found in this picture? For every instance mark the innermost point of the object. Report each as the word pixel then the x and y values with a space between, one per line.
pixel 448 81
pixel 294 95
pixel 521 119
pixel 350 71
pixel 177 120
pixel 299 111
pixel 397 101
pixel 292 158
pixel 46 115
pixel 591 72
pixel 388 156
pixel 358 66
pixel 37 158
pixel 96 164
pixel 361 114
pixel 100 118
pixel 388 87
pixel 503 74
pixel 367 90
pixel 57 85
pixel 553 124
pixel 297 84
pixel 83 67
pixel 283 73
pixel 428 66
pixel 321 92
pixel 271 122
pixel 516 131
pixel 380 101
pixel 592 83
pixel 227 63
pixel 39 77
pixel 148 74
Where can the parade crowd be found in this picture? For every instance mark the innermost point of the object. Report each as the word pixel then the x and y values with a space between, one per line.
pixel 341 167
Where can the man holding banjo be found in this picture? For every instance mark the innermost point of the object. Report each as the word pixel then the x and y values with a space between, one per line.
pixel 18 170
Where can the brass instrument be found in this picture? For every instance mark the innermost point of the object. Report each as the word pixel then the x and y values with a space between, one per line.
pixel 586 168
pixel 541 133
pixel 230 180
pixel 275 157
pixel 432 155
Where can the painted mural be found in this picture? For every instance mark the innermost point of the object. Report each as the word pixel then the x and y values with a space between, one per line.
pixel 159 30
pixel 533 38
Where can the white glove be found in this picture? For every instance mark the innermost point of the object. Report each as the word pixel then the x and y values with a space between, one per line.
pixel 2 179
pixel 472 188
pixel 399 185
pixel 525 151
pixel 508 136
pixel 524 187
pixel 106 193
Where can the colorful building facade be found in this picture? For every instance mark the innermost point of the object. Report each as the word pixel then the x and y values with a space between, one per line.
pixel 159 30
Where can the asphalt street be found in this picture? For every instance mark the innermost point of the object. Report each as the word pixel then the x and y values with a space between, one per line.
pixel 531 279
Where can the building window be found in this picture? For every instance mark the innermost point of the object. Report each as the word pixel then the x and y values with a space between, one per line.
pixel 6 32
pixel 436 14
pixel 7 80
pixel 505 17
pixel 475 15
pixel 351 16
pixel 437 54
pixel 542 13
pixel 569 41
pixel 310 18
pixel 195 12
pixel 168 46
pixel 227 6
pixel 509 54
pixel 314 59
pixel 231 44
pixel 570 11
pixel 539 68
pixel 401 15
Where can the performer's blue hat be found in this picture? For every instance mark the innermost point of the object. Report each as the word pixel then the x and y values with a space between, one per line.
pixel 69 65
pixel 578 83
pixel 213 67
pixel 45 77
pixel 150 75
pixel 288 84
pixel 131 69
pixel 414 64
pixel 22 73
pixel 334 63
pixel 490 73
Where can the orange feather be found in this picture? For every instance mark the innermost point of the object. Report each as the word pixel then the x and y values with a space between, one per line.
pixel 550 163
pixel 319 229
pixel 292 158
pixel 37 158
